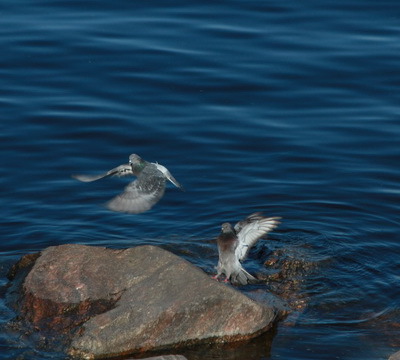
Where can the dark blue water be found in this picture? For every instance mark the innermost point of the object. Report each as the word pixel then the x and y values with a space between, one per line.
pixel 291 108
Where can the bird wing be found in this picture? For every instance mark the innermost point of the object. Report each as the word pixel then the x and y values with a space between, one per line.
pixel 253 217
pixel 141 194
pixel 251 232
pixel 122 170
pixel 168 175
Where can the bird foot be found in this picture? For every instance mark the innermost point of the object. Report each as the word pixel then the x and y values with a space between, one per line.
pixel 216 277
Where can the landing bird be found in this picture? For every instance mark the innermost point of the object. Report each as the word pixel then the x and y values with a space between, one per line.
pixel 234 244
pixel 143 193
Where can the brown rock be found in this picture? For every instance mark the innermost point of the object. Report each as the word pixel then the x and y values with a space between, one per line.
pixel 23 264
pixel 118 302
pixel 288 268
pixel 165 357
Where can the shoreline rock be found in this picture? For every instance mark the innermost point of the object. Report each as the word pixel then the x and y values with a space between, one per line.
pixel 121 302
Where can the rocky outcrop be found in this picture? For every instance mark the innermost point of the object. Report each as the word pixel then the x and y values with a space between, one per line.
pixel 119 302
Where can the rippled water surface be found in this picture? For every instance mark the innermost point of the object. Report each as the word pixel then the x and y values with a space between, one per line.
pixel 291 108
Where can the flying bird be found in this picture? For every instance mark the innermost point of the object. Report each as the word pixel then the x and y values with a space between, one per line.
pixel 235 242
pixel 141 194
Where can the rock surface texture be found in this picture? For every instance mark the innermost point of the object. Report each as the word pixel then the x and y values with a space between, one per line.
pixel 120 302
pixel 166 357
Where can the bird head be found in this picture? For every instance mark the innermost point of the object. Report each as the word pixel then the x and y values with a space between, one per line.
pixel 226 228
pixel 134 159
pixel 137 163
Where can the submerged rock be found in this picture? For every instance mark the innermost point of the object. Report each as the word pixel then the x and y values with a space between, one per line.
pixel 119 302
pixel 288 269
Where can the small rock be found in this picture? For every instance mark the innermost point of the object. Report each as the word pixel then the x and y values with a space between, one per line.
pixel 165 357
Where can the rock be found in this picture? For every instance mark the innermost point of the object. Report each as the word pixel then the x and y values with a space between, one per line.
pixel 165 357
pixel 26 262
pixel 119 302
pixel 395 356
pixel 288 268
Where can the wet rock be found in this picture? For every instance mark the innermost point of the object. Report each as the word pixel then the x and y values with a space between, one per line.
pixel 288 269
pixel 25 263
pixel 165 357
pixel 119 302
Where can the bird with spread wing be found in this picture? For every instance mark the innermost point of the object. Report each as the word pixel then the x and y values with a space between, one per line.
pixel 235 242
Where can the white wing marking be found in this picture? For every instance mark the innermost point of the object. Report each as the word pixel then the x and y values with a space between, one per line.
pixel 168 175
pixel 251 232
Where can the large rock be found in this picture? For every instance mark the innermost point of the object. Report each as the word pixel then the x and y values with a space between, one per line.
pixel 118 302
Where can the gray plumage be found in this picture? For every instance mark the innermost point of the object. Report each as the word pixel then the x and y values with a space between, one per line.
pixel 234 244
pixel 143 193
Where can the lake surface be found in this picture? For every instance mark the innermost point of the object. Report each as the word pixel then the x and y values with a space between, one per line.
pixel 290 108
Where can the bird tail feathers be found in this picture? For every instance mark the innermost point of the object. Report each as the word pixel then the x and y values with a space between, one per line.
pixel 243 278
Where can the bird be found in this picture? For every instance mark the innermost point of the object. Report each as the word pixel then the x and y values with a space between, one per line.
pixel 235 242
pixel 141 194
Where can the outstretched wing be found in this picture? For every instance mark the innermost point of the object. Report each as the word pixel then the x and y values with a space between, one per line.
pixel 122 170
pixel 168 175
pixel 141 194
pixel 252 231
pixel 253 217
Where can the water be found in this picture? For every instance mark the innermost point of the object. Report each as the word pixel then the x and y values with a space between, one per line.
pixel 291 108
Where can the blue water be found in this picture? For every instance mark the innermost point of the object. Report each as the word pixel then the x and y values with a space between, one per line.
pixel 291 108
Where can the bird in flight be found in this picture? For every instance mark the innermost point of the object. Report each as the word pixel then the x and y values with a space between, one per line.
pixel 141 194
